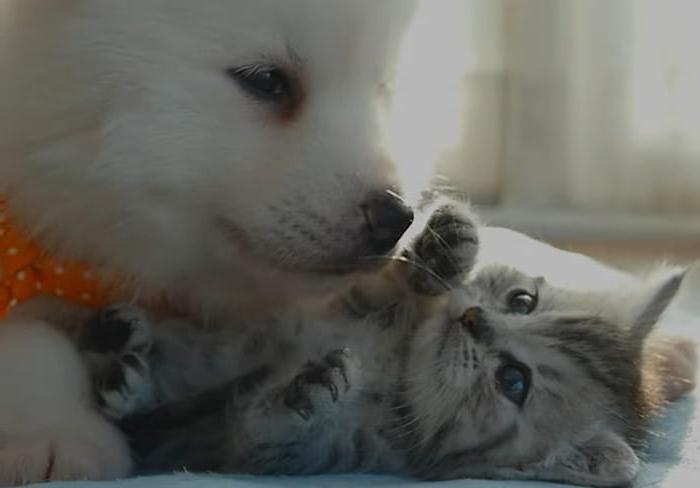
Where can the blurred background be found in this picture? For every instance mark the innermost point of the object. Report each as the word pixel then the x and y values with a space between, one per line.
pixel 576 121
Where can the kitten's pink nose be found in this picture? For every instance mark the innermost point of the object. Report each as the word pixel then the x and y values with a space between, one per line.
pixel 475 324
pixel 470 318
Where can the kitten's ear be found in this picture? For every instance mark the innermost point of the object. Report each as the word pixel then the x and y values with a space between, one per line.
pixel 604 460
pixel 653 304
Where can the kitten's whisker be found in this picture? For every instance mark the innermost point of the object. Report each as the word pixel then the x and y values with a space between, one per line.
pixel 441 241
pixel 402 259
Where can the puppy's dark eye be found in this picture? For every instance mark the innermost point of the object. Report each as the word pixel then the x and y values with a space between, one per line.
pixel 521 302
pixel 264 83
pixel 513 381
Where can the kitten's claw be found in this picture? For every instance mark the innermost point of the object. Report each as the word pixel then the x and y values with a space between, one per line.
pixel 338 359
pixel 301 395
pixel 304 413
pixel 130 392
pixel 334 392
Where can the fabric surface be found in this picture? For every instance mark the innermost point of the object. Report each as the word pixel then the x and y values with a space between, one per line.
pixel 26 271
pixel 672 460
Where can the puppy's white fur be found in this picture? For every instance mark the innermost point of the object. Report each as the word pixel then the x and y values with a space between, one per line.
pixel 127 104
pixel 124 144
pixel 48 428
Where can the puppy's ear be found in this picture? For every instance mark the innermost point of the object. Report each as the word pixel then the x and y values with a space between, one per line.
pixel 604 460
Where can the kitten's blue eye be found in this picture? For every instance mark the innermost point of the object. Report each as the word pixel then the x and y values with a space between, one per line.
pixel 521 302
pixel 514 383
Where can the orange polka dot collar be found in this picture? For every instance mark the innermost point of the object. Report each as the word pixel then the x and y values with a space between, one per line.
pixel 26 271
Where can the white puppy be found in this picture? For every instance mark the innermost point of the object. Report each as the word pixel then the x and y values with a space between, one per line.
pixel 216 152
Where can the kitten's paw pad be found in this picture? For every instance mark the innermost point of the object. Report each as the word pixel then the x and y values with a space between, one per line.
pixel 28 459
pixel 445 251
pixel 117 345
pixel 119 328
pixel 320 382
pixel 126 387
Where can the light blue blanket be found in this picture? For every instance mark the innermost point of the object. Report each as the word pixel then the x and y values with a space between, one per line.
pixel 673 461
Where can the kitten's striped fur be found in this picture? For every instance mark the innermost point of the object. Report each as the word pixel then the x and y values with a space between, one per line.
pixel 419 373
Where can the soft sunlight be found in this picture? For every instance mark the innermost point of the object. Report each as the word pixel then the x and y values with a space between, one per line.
pixel 429 98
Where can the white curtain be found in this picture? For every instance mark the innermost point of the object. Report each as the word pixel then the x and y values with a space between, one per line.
pixel 581 105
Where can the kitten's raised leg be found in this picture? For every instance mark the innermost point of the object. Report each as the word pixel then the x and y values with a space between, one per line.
pixel 298 428
pixel 116 345
pixel 445 251
pixel 437 259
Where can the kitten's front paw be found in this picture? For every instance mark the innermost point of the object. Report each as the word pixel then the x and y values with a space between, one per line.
pixel 125 388
pixel 321 384
pixel 118 329
pixel 445 251
pixel 117 344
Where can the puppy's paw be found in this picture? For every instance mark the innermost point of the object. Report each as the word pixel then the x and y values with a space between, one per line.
pixel 34 459
pixel 445 251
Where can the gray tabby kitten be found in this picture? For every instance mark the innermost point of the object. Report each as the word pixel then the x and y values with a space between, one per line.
pixel 435 369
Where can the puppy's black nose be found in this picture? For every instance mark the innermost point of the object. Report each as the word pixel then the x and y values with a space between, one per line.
pixel 387 218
